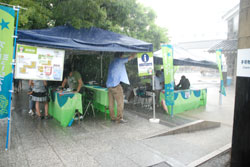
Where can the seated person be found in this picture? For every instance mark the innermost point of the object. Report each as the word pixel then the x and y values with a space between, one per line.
pixel 183 84
pixel 74 80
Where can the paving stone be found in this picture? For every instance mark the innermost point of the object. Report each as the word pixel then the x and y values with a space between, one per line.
pixel 98 142
pixel 146 158
pixel 113 159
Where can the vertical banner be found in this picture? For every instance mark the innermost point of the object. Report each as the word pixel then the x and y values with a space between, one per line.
pixel 167 56
pixel 145 63
pixel 7 16
pixel 219 63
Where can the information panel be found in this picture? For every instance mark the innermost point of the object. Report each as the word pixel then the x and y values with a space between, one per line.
pixel 37 63
pixel 145 63
pixel 243 63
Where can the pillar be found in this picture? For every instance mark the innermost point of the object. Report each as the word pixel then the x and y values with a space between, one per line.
pixel 240 155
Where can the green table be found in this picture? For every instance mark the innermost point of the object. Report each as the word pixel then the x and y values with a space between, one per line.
pixel 62 106
pixel 187 99
pixel 101 99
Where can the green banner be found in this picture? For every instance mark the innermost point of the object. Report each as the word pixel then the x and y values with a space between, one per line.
pixel 167 56
pixel 219 63
pixel 7 16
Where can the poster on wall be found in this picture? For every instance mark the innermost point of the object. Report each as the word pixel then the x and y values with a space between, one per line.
pixel 38 63
pixel 243 63
pixel 145 63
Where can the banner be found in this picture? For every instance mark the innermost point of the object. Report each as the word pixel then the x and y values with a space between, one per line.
pixel 219 63
pixel 39 63
pixel 7 17
pixel 145 63
pixel 167 56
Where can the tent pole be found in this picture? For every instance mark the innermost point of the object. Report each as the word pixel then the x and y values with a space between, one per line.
pixel 153 120
pixel 101 69
pixel 220 101
pixel 153 88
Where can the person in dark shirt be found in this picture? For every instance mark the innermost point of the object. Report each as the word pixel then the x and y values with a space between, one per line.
pixel 183 84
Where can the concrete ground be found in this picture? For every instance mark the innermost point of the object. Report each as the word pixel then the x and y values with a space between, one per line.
pixel 98 142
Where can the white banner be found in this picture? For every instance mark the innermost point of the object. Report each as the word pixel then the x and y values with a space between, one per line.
pixel 37 63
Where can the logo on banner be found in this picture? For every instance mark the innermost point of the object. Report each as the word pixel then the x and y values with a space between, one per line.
pixel 145 58
pixel 3 105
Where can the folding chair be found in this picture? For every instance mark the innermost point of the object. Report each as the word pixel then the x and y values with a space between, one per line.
pixel 89 98
pixel 142 96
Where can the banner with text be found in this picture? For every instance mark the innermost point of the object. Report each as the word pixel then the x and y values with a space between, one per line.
pixel 39 63
pixel 145 63
pixel 167 56
pixel 7 17
pixel 219 63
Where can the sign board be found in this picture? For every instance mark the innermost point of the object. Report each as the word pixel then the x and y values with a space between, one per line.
pixel 243 63
pixel 37 63
pixel 145 63
pixel 7 17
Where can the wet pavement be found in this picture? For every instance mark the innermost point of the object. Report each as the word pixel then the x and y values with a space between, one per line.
pixel 98 142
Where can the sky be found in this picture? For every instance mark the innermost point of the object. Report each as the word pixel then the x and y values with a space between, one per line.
pixel 192 20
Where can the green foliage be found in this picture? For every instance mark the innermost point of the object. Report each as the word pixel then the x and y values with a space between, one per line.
pixel 36 16
pixel 122 16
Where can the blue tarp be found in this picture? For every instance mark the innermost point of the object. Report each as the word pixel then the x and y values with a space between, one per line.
pixel 92 39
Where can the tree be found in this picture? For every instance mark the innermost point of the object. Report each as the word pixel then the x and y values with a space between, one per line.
pixel 122 16
pixel 37 15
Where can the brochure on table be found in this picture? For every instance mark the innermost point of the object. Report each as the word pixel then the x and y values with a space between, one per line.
pixel 38 63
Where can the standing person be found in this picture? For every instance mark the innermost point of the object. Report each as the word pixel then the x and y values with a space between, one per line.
pixel 116 74
pixel 74 81
pixel 40 95
pixel 16 85
pixel 157 87
pixel 31 102
pixel 162 78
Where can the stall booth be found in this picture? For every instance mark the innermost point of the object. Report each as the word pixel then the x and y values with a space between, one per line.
pixel 62 105
pixel 180 100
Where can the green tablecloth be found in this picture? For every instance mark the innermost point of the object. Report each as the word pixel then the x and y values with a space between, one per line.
pixel 62 106
pixel 187 100
pixel 101 100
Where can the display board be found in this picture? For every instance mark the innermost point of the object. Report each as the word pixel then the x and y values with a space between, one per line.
pixel 243 63
pixel 37 63
pixel 145 63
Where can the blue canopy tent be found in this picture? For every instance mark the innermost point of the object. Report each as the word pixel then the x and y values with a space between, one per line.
pixel 74 40
pixel 182 57
pixel 82 41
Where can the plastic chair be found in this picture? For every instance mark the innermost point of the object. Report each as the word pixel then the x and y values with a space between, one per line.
pixel 142 95
pixel 89 98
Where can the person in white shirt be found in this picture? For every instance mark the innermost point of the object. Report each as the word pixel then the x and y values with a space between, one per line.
pixel 157 87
